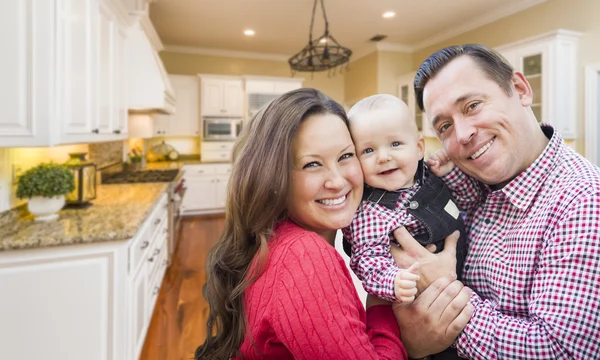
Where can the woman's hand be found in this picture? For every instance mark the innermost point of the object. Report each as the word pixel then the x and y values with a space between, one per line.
pixel 434 320
pixel 432 266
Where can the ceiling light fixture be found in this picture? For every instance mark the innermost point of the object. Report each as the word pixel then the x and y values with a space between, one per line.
pixel 389 14
pixel 320 55
pixel 249 32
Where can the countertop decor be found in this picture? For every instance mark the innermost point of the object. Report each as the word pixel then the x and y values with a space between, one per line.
pixel 117 214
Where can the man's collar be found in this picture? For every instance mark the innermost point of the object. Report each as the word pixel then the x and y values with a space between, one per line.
pixel 521 190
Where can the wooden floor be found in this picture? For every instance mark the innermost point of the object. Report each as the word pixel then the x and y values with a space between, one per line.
pixel 178 324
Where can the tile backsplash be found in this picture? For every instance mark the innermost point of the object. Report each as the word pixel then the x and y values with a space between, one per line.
pixel 106 153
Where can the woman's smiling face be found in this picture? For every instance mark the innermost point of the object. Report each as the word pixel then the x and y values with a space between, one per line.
pixel 326 179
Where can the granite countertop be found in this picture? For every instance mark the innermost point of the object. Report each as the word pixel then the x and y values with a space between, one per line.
pixel 116 214
pixel 183 160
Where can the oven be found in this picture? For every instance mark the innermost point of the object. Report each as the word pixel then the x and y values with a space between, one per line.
pixel 219 128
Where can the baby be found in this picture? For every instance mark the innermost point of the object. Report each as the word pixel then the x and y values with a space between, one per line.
pixel 399 191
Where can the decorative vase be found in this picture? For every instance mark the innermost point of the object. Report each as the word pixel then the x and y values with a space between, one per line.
pixel 44 208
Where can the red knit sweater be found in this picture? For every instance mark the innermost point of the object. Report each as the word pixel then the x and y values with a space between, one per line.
pixel 305 306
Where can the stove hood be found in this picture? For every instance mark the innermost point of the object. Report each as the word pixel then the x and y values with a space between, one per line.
pixel 148 86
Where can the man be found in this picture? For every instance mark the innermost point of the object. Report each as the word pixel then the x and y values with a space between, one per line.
pixel 533 222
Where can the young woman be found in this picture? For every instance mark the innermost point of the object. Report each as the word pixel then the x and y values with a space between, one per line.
pixel 276 286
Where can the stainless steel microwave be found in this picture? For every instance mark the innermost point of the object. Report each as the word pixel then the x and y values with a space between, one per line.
pixel 219 129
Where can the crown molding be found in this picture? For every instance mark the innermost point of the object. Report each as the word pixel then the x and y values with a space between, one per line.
pixel 226 53
pixel 484 20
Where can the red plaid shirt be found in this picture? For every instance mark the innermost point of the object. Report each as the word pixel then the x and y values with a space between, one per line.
pixel 534 261
pixel 369 236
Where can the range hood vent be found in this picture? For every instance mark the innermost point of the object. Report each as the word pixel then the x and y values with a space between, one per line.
pixel 148 86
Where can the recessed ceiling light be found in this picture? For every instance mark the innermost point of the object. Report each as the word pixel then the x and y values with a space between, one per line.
pixel 249 32
pixel 389 14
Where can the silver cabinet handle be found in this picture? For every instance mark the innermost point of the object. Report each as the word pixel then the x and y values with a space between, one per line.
pixel 145 244
pixel 155 291
pixel 157 221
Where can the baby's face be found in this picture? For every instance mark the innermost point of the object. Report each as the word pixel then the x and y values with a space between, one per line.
pixel 388 146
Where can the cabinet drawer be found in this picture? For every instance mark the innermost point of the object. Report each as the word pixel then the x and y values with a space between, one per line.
pixel 144 241
pixel 199 170
pixel 217 145
pixel 216 156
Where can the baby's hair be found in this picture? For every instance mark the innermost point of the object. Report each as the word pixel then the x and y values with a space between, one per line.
pixel 375 102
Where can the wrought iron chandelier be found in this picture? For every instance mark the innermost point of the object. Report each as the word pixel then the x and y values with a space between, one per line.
pixel 323 53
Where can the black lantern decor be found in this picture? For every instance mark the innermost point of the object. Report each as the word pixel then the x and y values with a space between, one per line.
pixel 84 172
pixel 323 53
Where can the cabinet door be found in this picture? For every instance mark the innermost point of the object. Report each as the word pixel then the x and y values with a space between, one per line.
pixel 406 93
pixel 212 97
pixel 221 190
pixel 200 194
pixel 120 117
pixel 77 62
pixel 106 68
pixel 185 120
pixel 233 97
pixel 532 61
pixel 27 27
pixel 50 301
pixel 137 311
pixel 161 125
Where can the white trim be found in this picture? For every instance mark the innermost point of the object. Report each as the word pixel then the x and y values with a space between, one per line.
pixel 592 111
pixel 225 53
pixel 560 33
pixel 484 20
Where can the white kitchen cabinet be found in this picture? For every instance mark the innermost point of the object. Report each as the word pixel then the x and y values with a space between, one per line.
pixel 216 151
pixel 85 301
pixel 221 96
pixel 549 63
pixel 206 188
pixel 185 121
pixel 58 73
pixel 406 93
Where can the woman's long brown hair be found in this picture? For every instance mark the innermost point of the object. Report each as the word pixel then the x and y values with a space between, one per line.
pixel 256 201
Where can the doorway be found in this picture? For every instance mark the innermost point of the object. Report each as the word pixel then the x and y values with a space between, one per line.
pixel 592 113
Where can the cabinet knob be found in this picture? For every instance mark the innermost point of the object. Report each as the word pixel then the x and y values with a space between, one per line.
pixel 223 110
pixel 117 131
pixel 157 221
pixel 155 291
pixel 96 131
pixel 145 244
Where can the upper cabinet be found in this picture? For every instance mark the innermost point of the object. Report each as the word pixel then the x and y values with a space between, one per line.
pixel 221 96
pixel 262 90
pixel 63 72
pixel 406 93
pixel 549 63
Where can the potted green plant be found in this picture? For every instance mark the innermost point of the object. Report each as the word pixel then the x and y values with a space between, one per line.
pixel 45 186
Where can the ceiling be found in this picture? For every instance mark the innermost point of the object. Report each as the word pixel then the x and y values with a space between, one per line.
pixel 282 26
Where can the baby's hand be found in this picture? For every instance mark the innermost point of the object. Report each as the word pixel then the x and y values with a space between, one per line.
pixel 405 284
pixel 440 163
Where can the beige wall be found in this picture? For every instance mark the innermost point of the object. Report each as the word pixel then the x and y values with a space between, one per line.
pixel 362 78
pixel 577 15
pixel 391 65
pixel 191 64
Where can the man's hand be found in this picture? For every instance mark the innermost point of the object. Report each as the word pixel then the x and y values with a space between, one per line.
pixel 434 320
pixel 432 266
pixel 439 163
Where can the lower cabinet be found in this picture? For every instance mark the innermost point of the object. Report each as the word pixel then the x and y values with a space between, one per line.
pixel 206 188
pixel 85 301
